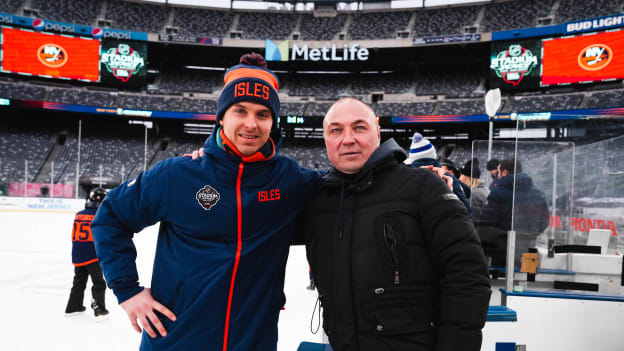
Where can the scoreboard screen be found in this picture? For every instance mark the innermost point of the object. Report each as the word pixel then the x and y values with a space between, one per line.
pixel 583 58
pixel 515 64
pixel 49 55
pixel 123 63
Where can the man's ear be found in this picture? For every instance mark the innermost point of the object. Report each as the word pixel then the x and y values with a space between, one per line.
pixel 221 122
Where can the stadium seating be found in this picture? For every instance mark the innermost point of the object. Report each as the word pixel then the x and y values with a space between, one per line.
pixel 404 108
pixel 321 28
pixel 454 84
pixel 515 14
pixel 256 25
pixel 387 83
pixel 10 6
pixel 569 10
pixel 114 153
pixel 22 91
pixel 177 81
pixel 72 11
pixel 543 103
pixel 378 25
pixel 193 22
pixel 198 22
pixel 82 97
pixel 201 106
pixel 611 98
pixel 144 102
pixel 137 17
pixel 18 145
pixel 440 21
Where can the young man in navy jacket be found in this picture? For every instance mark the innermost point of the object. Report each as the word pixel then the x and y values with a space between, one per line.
pixel 226 221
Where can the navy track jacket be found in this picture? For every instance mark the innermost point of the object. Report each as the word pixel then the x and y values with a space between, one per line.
pixel 225 229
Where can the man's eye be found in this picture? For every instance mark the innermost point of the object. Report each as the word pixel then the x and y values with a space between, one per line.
pixel 360 128
pixel 335 130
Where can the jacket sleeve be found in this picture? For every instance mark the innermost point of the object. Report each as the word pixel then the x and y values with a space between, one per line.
pixel 460 265
pixel 312 181
pixel 126 210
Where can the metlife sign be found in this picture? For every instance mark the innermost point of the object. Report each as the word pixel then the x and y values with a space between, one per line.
pixel 279 52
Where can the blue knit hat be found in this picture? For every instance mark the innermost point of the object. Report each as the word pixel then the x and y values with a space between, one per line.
pixel 250 81
pixel 420 148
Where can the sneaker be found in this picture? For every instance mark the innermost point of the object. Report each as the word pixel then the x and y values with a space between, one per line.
pixel 74 311
pixel 99 311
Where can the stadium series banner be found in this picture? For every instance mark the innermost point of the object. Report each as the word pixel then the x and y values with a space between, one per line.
pixel 515 64
pixel 49 55
pixel 123 62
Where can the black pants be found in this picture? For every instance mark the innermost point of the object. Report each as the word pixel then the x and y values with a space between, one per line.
pixel 81 275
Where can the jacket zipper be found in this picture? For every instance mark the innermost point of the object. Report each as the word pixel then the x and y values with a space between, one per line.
pixel 391 245
pixel 238 252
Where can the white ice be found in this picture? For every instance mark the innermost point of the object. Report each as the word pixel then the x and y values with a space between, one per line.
pixel 36 275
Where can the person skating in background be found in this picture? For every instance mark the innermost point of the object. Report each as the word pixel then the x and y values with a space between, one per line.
pixel 85 260
pixel 422 153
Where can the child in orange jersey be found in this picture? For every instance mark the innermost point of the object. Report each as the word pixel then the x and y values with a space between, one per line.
pixel 85 260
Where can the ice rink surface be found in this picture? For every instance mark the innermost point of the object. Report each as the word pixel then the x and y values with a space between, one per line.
pixel 36 276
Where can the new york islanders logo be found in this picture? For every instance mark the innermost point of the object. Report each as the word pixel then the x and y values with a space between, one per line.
pixel 595 57
pixel 207 197
pixel 52 55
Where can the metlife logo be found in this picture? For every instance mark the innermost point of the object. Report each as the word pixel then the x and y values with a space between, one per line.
pixel 279 52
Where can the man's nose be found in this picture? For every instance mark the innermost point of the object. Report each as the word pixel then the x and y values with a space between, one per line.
pixel 250 122
pixel 349 137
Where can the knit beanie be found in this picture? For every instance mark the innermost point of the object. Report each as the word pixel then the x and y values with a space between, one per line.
pixel 420 148
pixel 469 167
pixel 250 81
pixel 492 164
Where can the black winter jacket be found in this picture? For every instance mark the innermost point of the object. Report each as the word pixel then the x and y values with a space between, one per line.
pixel 396 260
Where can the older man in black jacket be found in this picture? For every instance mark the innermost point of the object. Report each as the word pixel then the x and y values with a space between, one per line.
pixel 393 252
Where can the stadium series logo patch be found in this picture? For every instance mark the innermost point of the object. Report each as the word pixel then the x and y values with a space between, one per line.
pixel 207 197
